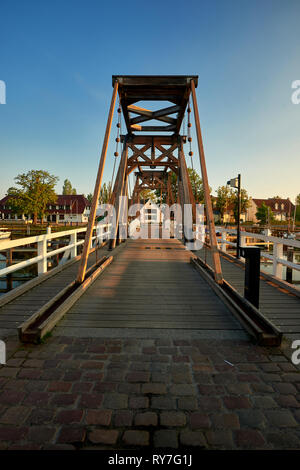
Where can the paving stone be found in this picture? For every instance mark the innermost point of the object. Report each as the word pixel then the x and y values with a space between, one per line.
pixel 140 366
pixel 138 402
pixel 40 416
pixel 116 401
pixel 280 418
pixel 264 402
pixel 83 387
pixel 161 377
pixel 154 388
pixel 69 416
pixel 283 440
pixel 187 403
pixel 91 400
pixel 183 390
pixel 33 363
pixel 11 397
pixel 251 418
pixel 235 403
pixel 220 439
pixel 172 418
pixel 165 439
pixel 163 403
pixel 100 417
pixel 128 388
pixel 262 388
pixel 64 399
pixel 285 388
pixel 123 418
pixel 41 434
pixel 14 362
pixel 199 421
pixel 211 389
pixel 249 439
pixel 103 436
pixel 12 433
pixel 225 420
pixel 136 438
pixel 180 358
pixel 72 435
pixel 193 439
pixel 59 386
pixel 207 403
pixel 288 401
pixel 238 389
pixel 146 419
pixel 138 376
pixel 15 415
pixel 9 372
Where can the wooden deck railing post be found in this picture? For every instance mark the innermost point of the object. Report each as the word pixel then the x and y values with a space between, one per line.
pixel 88 235
pixel 208 204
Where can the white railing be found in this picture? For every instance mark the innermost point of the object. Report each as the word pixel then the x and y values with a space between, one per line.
pixel 263 239
pixel 44 241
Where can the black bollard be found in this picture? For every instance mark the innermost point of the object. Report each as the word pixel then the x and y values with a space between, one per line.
pixel 252 273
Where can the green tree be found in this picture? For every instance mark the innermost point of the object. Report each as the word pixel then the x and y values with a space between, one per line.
pixel 196 183
pixel 225 195
pixel 264 214
pixel 105 193
pixel 90 197
pixel 146 194
pixel 67 188
pixel 244 203
pixel 35 191
pixel 298 200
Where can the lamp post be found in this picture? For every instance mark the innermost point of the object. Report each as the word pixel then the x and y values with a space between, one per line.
pixel 236 183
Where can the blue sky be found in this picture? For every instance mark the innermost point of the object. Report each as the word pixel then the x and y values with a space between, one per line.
pixel 57 59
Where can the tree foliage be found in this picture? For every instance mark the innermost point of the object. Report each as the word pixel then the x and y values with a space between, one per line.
pixel 225 196
pixel 264 214
pixel 146 194
pixel 196 183
pixel 35 191
pixel 244 203
pixel 68 188
pixel 105 193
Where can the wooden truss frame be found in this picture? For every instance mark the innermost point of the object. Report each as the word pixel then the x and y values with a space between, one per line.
pixel 153 157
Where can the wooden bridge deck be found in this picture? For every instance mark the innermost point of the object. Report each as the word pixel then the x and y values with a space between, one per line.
pixel 277 304
pixel 20 309
pixel 151 284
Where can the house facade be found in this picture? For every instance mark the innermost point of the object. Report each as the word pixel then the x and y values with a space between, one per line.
pixel 283 209
pixel 67 209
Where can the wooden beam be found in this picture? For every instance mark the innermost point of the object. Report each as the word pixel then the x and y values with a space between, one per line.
pixel 89 231
pixel 208 204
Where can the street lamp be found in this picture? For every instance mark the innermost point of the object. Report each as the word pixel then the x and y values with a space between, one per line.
pixel 236 183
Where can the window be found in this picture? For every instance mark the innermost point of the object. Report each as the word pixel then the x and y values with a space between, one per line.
pixel 282 207
pixel 61 216
pixel 276 206
pixel 50 207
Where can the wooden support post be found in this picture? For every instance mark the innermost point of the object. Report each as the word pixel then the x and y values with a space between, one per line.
pixel 208 204
pixel 89 231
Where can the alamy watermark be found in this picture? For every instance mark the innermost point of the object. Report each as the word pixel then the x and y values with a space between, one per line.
pixel 2 352
pixel 162 221
pixel 295 97
pixel 2 92
pixel 296 354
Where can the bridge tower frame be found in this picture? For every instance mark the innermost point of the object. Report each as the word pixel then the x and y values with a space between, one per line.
pixel 165 144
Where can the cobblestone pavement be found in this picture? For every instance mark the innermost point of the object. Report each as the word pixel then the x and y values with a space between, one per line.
pixel 72 393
